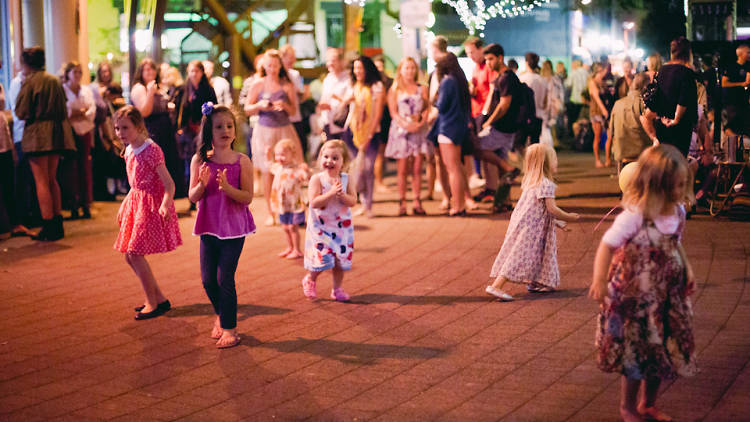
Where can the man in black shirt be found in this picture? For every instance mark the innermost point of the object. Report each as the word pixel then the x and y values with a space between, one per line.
pixel 734 81
pixel 675 111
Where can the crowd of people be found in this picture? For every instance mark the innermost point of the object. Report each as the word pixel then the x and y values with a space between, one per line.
pixel 179 137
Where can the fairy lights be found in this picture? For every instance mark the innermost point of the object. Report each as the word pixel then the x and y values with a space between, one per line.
pixel 476 19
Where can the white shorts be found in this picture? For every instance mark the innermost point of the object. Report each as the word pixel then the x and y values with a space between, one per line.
pixel 442 139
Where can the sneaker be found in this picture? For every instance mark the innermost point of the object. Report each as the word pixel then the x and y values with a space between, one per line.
pixel 486 196
pixel 339 295
pixel 498 294
pixel 308 287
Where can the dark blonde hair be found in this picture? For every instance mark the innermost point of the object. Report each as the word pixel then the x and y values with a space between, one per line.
pixel 398 79
pixel 292 147
pixel 337 143
pixel 537 165
pixel 652 187
pixel 274 54
pixel 206 137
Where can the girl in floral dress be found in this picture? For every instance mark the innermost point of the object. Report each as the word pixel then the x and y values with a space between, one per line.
pixel 329 239
pixel 644 328
pixel 529 252
pixel 286 194
pixel 147 218
pixel 407 137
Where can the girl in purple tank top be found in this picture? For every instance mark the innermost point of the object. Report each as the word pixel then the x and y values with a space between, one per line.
pixel 221 183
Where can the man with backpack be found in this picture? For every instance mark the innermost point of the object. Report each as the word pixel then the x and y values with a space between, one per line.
pixel 501 112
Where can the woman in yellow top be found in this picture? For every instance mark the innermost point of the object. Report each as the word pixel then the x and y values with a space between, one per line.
pixel 364 123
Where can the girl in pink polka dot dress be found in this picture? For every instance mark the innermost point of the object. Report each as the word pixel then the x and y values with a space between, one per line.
pixel 147 217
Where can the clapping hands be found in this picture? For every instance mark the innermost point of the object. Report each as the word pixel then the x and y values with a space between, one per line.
pixel 221 179
pixel 204 174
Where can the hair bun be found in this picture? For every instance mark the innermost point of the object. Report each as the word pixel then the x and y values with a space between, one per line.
pixel 207 108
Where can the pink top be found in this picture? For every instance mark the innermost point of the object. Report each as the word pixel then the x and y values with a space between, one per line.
pixel 218 214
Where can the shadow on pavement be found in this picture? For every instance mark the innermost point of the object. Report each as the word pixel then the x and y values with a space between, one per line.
pixel 351 352
pixel 243 311
pixel 377 298
pixel 557 294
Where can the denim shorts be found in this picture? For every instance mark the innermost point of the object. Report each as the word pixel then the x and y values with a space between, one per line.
pixel 292 218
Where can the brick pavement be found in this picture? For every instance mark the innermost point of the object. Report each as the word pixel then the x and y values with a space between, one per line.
pixel 420 340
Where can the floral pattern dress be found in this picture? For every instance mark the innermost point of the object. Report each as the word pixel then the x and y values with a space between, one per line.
pixel 142 230
pixel 329 237
pixel 529 252
pixel 402 144
pixel 645 327
pixel 286 190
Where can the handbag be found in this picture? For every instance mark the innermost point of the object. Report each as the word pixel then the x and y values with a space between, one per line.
pixel 650 94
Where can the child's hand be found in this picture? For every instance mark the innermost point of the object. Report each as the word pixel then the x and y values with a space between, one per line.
pixel 221 178
pixel 337 188
pixel 278 105
pixel 598 290
pixel 204 174
pixel 574 216
pixel 562 225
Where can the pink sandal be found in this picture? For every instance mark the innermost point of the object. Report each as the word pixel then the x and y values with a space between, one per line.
pixel 339 295
pixel 308 287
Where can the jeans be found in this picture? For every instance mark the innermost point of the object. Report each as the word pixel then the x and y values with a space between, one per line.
pixel 219 260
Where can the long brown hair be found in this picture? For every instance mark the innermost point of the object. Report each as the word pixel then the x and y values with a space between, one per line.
pixel 67 67
pixel 448 65
pixel 274 54
pixel 138 78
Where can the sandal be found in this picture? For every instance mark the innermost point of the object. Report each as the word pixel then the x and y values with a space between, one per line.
pixel 235 341
pixel 418 210
pixel 308 287
pixel 402 208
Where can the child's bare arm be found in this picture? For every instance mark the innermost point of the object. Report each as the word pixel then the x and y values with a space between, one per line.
pixel 198 179
pixel 598 289
pixel 556 212
pixel 348 198
pixel 168 183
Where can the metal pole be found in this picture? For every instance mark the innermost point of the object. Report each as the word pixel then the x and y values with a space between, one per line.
pixel 131 41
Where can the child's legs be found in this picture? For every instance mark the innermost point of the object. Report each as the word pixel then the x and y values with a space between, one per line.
pixel 629 394
pixel 314 275
pixel 294 234
pixel 650 391
pixel 338 276
pixel 228 258
pixel 289 236
pixel 499 282
pixel 140 266
pixel 209 255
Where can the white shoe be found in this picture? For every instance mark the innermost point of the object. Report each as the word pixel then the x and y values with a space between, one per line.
pixel 498 294
pixel 475 182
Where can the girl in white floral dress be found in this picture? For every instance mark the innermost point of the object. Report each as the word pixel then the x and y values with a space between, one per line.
pixel 529 252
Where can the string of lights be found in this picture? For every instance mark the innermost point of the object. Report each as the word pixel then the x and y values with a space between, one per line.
pixel 475 19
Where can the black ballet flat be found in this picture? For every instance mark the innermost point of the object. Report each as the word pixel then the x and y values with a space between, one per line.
pixel 461 213
pixel 140 316
pixel 164 305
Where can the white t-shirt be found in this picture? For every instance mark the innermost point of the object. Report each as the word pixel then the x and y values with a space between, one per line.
pixel 539 85
pixel 627 224
pixel 223 90
pixel 339 85
pixel 14 89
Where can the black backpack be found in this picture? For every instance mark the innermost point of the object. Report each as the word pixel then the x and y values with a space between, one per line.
pixel 528 124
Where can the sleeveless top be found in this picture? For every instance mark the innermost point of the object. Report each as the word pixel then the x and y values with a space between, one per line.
pixel 273 118
pixel 218 214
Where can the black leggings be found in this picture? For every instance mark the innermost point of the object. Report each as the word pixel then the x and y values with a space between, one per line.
pixel 219 260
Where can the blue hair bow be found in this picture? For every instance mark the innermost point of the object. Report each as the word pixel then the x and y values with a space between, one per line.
pixel 207 108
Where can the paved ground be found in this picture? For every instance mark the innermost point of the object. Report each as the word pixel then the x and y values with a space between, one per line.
pixel 420 340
